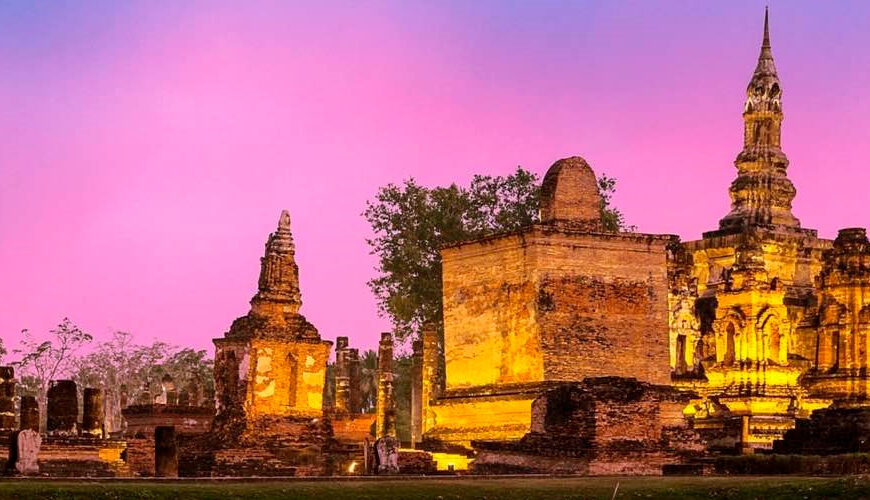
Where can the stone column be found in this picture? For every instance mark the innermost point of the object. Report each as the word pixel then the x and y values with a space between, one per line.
pixel 29 416
pixel 341 343
pixel 386 413
pixel 92 412
pixel 353 373
pixel 63 408
pixel 7 399
pixel 417 394
pixel 431 379
pixel 342 376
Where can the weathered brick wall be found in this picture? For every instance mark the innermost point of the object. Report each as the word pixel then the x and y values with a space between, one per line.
pixel 271 376
pixel 606 425
pixel 353 428
pixel 490 328
pixel 70 456
pixel 552 304
pixel 140 455
pixel 602 305
pixel 143 419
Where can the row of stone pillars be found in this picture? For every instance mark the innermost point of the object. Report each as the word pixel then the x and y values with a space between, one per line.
pixel 425 385
pixel 62 408
pixel 347 378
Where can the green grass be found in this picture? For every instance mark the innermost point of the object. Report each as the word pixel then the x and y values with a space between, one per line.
pixel 707 488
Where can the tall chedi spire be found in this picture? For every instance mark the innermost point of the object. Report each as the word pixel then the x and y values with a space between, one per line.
pixel 761 195
pixel 278 287
pixel 275 307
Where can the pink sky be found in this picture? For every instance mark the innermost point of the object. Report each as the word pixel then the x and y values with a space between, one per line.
pixel 147 148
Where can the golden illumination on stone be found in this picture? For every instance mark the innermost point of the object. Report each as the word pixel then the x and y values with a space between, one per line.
pixel 555 302
pixel 272 362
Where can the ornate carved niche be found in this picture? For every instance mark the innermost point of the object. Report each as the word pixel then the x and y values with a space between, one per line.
pixel 730 337
pixel 831 327
pixel 774 338
pixel 684 337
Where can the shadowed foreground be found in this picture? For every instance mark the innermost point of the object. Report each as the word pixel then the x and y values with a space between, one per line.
pixel 452 489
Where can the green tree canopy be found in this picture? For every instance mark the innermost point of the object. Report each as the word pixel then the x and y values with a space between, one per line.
pixel 411 223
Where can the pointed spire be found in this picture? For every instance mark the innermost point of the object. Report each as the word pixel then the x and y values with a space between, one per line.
pixel 279 275
pixel 762 193
pixel 765 65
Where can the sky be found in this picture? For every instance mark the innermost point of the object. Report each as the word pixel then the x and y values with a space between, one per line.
pixel 147 148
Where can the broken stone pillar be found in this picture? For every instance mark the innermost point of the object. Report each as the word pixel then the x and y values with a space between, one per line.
pixel 7 399
pixel 124 396
pixel 417 393
pixel 63 408
pixel 431 379
pixel 29 415
pixel 165 452
pixel 342 376
pixel 386 412
pixel 24 452
pixel 353 369
pixel 92 412
pixel 387 455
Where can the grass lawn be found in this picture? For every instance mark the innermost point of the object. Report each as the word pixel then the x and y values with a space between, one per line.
pixel 734 487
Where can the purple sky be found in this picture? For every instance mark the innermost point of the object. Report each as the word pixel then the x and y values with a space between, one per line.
pixel 147 148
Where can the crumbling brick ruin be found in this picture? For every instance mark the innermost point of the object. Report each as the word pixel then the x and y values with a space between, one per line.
pixel 190 418
pixel 7 399
pixel 69 448
pixel 556 302
pixel 270 370
pixel 761 321
pixel 565 349
pixel 603 425
pixel 766 318
pixel 351 428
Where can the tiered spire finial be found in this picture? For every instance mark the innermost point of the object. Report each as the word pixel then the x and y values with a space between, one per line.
pixel 279 274
pixel 762 193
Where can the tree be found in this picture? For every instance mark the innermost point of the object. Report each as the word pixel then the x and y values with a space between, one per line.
pixel 190 369
pixel 611 217
pixel 126 370
pixel 42 362
pixel 411 223
pixel 368 381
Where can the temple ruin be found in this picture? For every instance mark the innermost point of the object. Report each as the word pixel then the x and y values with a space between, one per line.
pixel 565 349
